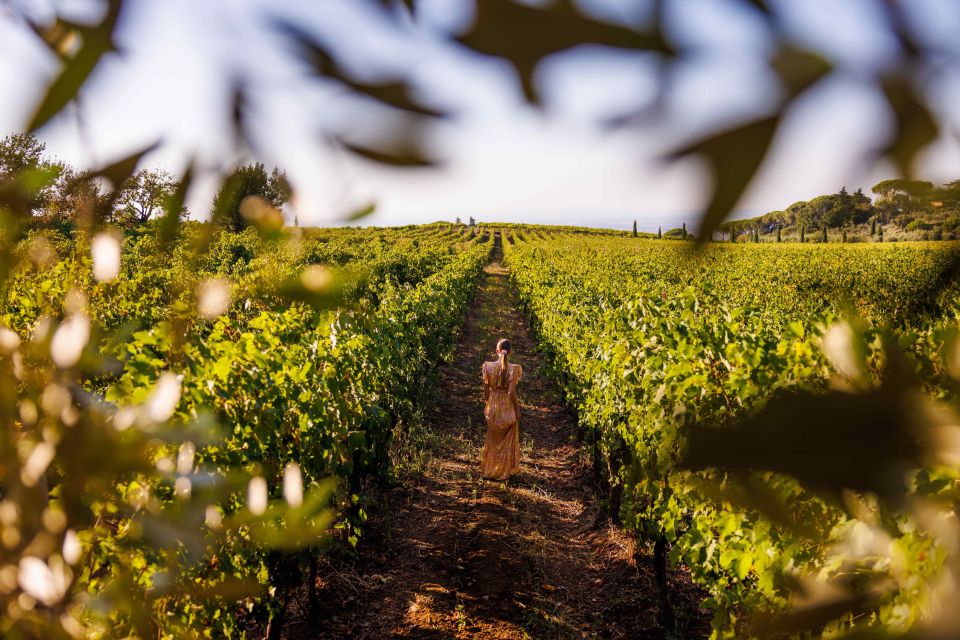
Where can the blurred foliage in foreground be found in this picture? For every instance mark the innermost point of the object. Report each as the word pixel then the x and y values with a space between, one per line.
pixel 804 468
pixel 50 385
pixel 185 407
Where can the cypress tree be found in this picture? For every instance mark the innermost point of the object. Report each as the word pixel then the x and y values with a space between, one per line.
pixel 684 230
pixel 824 233
pixel 733 234
pixel 634 228
pixel 879 233
pixel 779 229
pixel 659 233
pixel 844 238
pixel 873 227
pixel 803 237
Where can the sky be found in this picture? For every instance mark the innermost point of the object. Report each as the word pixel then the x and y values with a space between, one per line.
pixel 504 160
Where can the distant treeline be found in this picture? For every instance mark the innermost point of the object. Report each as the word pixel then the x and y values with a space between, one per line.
pixel 54 193
pixel 902 210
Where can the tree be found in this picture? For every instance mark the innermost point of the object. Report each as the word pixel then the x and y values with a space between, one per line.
pixel 248 180
pixel 74 197
pixel 25 174
pixel 873 227
pixel 844 237
pixel 879 233
pixel 472 222
pixel 458 221
pixel 145 194
pixel 634 228
pixel 659 233
pixel 949 194
pixel 802 234
pixel 824 238
pixel 684 230
pixel 19 152
pixel 779 230
pixel 903 191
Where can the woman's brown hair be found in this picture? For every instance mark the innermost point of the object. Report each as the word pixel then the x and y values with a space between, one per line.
pixel 503 376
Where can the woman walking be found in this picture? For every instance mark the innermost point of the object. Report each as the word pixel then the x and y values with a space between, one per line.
pixel 501 449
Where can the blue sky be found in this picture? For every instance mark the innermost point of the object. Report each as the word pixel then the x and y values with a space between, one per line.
pixel 505 161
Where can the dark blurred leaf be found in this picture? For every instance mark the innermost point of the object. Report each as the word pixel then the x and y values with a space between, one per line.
pixel 394 94
pixel 392 4
pixel 743 490
pixel 760 5
pixel 361 213
pixel 734 157
pixel 879 634
pixel 914 126
pixel 813 618
pixel 898 27
pixel 238 107
pixel 230 588
pixel 391 93
pixel 97 41
pixel 401 151
pixel 165 533
pixel 799 69
pixel 321 287
pixel 13 199
pixel 118 172
pixel 170 221
pixel 829 441
pixel 525 35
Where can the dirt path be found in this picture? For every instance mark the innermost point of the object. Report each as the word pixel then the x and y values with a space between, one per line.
pixel 451 555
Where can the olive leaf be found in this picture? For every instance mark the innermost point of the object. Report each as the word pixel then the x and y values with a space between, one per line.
pixel 812 619
pixel 402 148
pixel 914 125
pixel 392 93
pixel 734 156
pixel 174 207
pixel 525 34
pixel 361 212
pixel 97 41
pixel 799 69
pixel 119 171
pixel 828 441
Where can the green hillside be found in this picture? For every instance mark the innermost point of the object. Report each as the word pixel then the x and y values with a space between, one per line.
pixel 900 210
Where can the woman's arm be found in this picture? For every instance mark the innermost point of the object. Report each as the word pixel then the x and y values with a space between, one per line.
pixel 486 384
pixel 513 393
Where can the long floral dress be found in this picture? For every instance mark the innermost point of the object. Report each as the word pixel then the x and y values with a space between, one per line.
pixel 501 449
